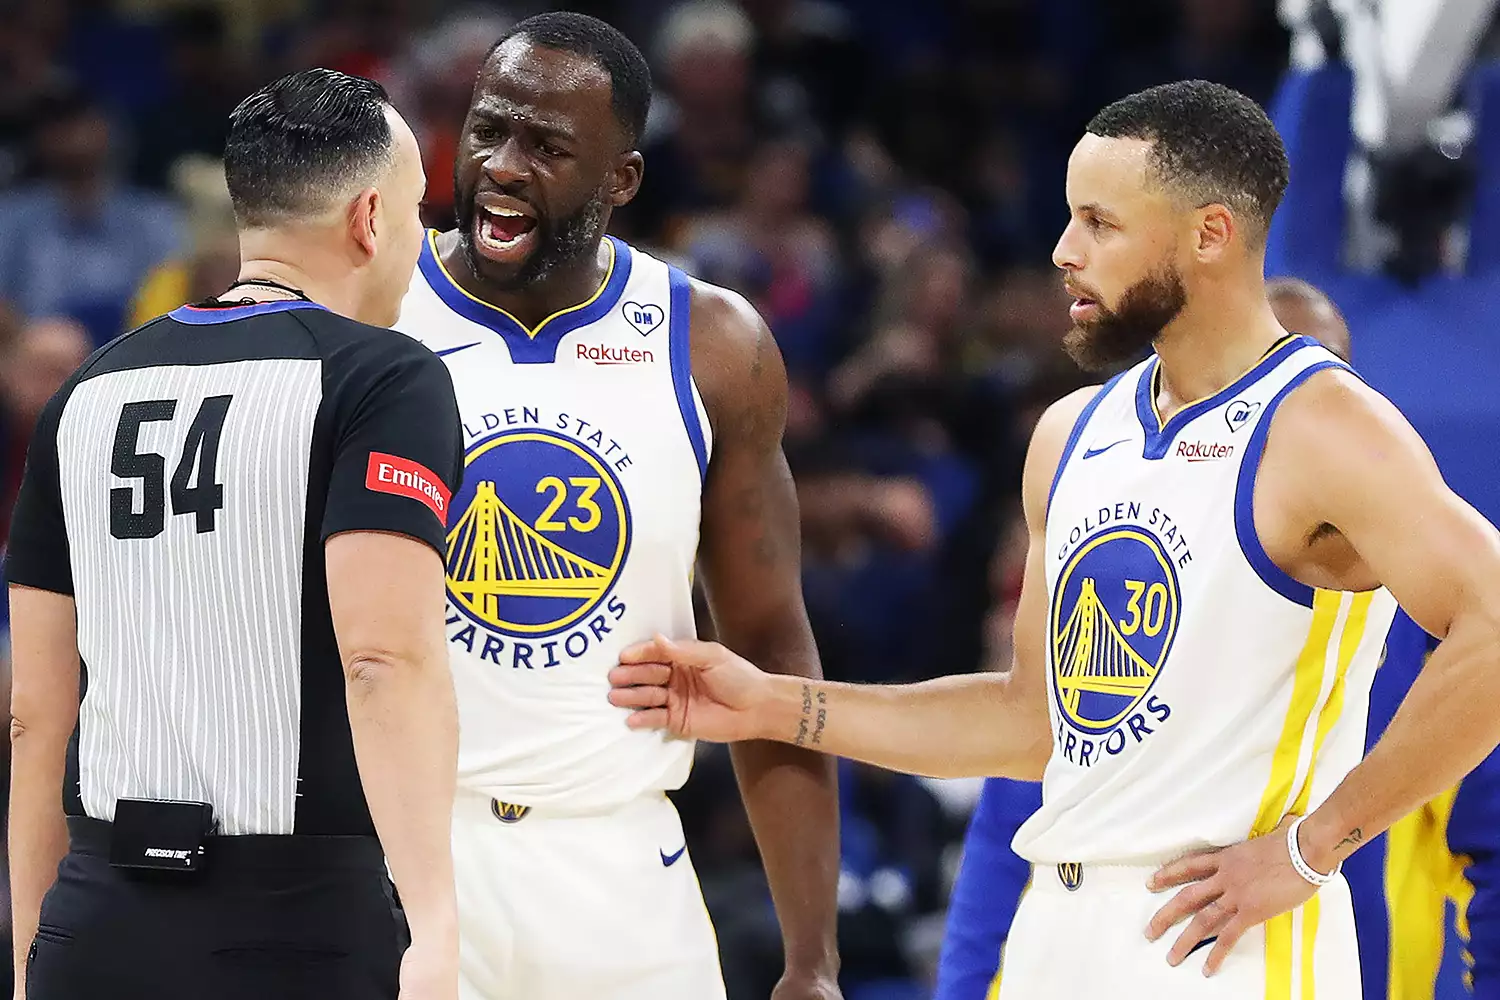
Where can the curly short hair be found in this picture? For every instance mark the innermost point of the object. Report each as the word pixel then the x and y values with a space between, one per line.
pixel 607 46
pixel 1209 144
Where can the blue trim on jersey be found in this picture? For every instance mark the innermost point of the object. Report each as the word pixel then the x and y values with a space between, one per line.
pixel 1406 648
pixel 1270 574
pixel 538 347
pixel 1159 437
pixel 1077 432
pixel 680 349
pixel 193 316
pixel 987 892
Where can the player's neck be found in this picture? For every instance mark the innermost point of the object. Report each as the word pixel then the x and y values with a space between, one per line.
pixel 1214 341
pixel 298 261
pixel 566 285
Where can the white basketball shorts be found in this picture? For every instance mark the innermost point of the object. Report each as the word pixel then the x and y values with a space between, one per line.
pixel 566 907
pixel 1090 941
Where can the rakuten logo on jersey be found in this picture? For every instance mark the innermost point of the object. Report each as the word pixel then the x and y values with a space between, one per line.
pixel 404 478
pixel 1203 451
pixel 601 355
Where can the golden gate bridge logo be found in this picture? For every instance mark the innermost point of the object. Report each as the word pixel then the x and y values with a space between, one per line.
pixel 541 536
pixel 1107 653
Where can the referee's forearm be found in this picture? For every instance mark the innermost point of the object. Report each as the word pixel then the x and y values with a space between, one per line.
pixel 405 727
pixel 38 834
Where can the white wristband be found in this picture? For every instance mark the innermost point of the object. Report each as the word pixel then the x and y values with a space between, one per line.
pixel 1300 864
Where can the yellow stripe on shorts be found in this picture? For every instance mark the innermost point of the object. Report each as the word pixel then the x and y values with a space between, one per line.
pixel 1307 684
pixel 1310 913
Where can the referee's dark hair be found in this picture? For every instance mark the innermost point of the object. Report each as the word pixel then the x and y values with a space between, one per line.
pixel 299 143
pixel 606 45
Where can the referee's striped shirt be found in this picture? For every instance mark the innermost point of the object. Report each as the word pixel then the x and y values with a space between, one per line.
pixel 181 486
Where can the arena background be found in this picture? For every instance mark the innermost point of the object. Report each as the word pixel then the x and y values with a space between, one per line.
pixel 884 179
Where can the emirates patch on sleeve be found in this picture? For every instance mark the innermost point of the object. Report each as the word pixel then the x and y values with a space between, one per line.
pixel 405 478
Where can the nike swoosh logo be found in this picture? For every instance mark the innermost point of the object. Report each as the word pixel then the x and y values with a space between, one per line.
pixel 1099 451
pixel 668 860
pixel 1204 943
pixel 454 350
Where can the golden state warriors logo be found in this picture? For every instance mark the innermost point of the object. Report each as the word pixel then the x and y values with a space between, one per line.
pixel 1114 614
pixel 508 812
pixel 544 531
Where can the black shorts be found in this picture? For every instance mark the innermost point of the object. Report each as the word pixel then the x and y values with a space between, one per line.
pixel 283 917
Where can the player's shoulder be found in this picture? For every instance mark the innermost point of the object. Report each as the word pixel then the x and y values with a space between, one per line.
pixel 1329 387
pixel 736 363
pixel 1049 441
pixel 1058 419
pixel 726 319
pixel 731 344
pixel 1330 413
pixel 1337 450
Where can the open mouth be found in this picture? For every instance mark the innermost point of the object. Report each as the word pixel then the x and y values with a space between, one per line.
pixel 1082 306
pixel 1082 309
pixel 504 233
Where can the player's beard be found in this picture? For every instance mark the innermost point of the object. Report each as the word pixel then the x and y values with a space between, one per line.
pixel 1123 335
pixel 558 242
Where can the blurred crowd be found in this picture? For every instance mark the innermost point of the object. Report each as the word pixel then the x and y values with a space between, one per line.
pixel 882 178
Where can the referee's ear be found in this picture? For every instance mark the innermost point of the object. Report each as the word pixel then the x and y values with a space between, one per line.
pixel 364 221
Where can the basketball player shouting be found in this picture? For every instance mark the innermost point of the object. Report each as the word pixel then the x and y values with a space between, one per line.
pixel 622 423
pixel 1216 536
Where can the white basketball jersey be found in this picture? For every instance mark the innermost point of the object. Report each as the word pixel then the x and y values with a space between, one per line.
pixel 576 528
pixel 1193 686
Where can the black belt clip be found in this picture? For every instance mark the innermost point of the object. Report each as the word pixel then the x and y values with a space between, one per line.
pixel 160 835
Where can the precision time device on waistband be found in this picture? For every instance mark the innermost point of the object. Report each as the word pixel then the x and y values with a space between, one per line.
pixel 160 834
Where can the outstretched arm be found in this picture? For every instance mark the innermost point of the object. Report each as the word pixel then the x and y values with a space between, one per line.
pixel 969 725
pixel 749 556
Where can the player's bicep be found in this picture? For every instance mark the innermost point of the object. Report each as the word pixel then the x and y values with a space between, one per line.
pixel 1027 684
pixel 749 550
pixel 397 458
pixel 1369 474
pixel 1029 652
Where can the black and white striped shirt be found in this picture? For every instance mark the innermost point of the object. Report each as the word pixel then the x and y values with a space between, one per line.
pixel 181 486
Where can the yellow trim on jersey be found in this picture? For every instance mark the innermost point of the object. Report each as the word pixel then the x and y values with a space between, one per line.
pixel 1161 424
pixel 1286 951
pixel 1306 686
pixel 530 332
pixel 1352 634
pixel 1421 875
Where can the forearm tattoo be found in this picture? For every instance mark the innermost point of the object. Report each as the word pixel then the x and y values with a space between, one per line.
pixel 814 716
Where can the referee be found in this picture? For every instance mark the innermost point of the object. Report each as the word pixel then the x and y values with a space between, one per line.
pixel 227 608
